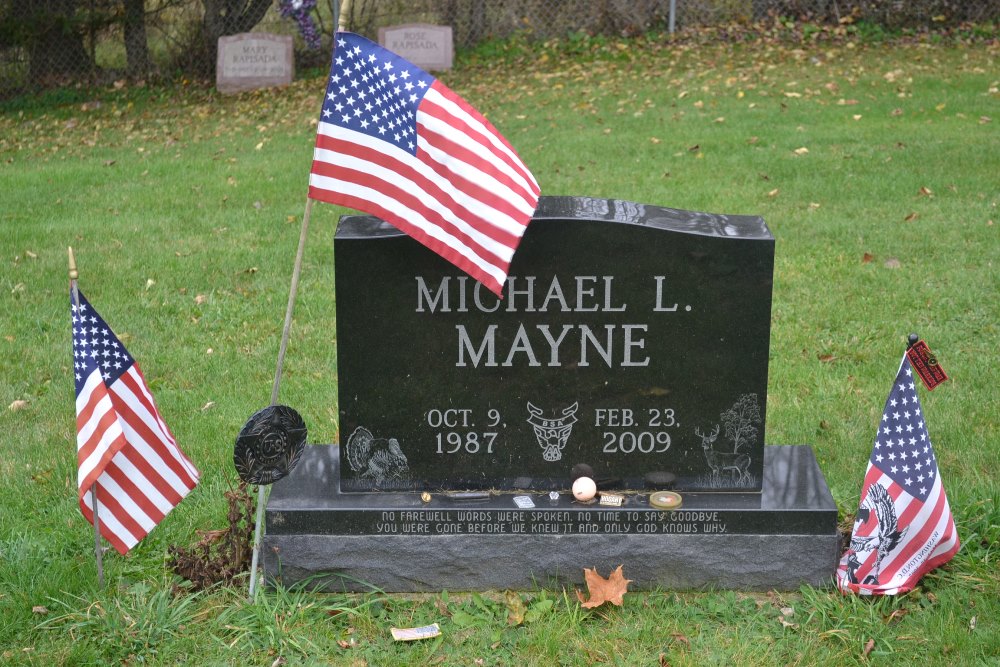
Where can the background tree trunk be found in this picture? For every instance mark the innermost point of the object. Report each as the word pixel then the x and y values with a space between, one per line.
pixel 136 48
pixel 55 43
pixel 229 17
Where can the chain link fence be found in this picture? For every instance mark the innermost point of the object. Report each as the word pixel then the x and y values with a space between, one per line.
pixel 58 43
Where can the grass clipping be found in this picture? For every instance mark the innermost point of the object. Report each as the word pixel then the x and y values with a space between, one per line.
pixel 220 555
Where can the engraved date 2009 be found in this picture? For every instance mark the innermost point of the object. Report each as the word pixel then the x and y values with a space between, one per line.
pixel 630 434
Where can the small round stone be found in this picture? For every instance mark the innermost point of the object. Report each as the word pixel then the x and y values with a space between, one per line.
pixel 660 480
pixel 584 489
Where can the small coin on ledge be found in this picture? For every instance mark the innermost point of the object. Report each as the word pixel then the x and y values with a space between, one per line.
pixel 667 500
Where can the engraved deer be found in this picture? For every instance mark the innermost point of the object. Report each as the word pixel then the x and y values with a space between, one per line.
pixel 721 461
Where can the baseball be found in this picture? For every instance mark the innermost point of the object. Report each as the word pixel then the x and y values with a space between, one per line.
pixel 584 489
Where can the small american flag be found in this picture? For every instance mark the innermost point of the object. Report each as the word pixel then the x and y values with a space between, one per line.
pixel 394 142
pixel 122 443
pixel 904 527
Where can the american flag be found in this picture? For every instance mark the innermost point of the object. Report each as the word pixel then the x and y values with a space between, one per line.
pixel 904 527
pixel 394 142
pixel 122 443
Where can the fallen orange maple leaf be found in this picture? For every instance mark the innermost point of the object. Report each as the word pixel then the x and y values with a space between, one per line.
pixel 604 590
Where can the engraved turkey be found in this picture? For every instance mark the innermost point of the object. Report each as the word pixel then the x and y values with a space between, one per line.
pixel 376 459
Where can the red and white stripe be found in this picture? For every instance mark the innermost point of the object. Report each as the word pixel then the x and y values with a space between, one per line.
pixel 125 448
pixel 465 195
pixel 931 539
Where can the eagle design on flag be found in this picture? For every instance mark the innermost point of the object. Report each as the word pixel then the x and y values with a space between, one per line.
pixel 887 534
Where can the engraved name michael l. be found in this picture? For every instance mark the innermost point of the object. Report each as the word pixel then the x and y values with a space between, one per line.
pixel 616 345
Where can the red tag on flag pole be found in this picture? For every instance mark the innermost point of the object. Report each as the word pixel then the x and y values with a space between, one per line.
pixel 926 365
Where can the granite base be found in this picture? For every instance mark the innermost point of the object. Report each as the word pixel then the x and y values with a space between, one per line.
pixel 779 539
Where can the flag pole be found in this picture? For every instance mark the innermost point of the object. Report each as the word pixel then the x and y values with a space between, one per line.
pixel 345 8
pixel 282 349
pixel 98 551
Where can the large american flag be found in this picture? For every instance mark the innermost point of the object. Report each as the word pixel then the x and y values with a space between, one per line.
pixel 394 142
pixel 904 527
pixel 122 443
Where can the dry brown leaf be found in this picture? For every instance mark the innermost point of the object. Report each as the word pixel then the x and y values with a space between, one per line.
pixel 786 614
pixel 925 192
pixel 826 358
pixel 867 258
pixel 604 590
pixel 200 299
pixel 39 609
pixel 773 193
pixel 896 615
pixel 911 217
pixel 892 263
pixel 868 648
pixel 515 608
pixel 17 405
pixel 801 151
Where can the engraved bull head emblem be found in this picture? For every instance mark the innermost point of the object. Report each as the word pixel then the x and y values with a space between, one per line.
pixel 552 433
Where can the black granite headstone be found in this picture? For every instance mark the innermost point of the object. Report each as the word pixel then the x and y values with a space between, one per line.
pixel 630 338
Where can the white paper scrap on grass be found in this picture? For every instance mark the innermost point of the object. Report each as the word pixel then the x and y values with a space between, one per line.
pixel 411 634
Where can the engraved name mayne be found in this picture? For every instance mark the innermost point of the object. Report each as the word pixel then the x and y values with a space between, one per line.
pixel 617 345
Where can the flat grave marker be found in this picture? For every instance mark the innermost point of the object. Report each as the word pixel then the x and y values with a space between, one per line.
pixel 254 60
pixel 427 46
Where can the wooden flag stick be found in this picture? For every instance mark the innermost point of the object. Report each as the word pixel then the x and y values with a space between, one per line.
pixel 98 550
pixel 282 349
pixel 345 10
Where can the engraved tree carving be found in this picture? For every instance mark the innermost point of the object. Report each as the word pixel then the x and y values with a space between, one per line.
pixel 740 421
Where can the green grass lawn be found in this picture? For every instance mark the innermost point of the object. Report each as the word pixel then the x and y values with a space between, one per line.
pixel 876 166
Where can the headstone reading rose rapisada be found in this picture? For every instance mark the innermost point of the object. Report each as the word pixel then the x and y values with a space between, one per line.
pixel 631 345
pixel 427 46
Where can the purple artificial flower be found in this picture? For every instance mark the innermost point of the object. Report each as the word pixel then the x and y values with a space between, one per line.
pixel 299 11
